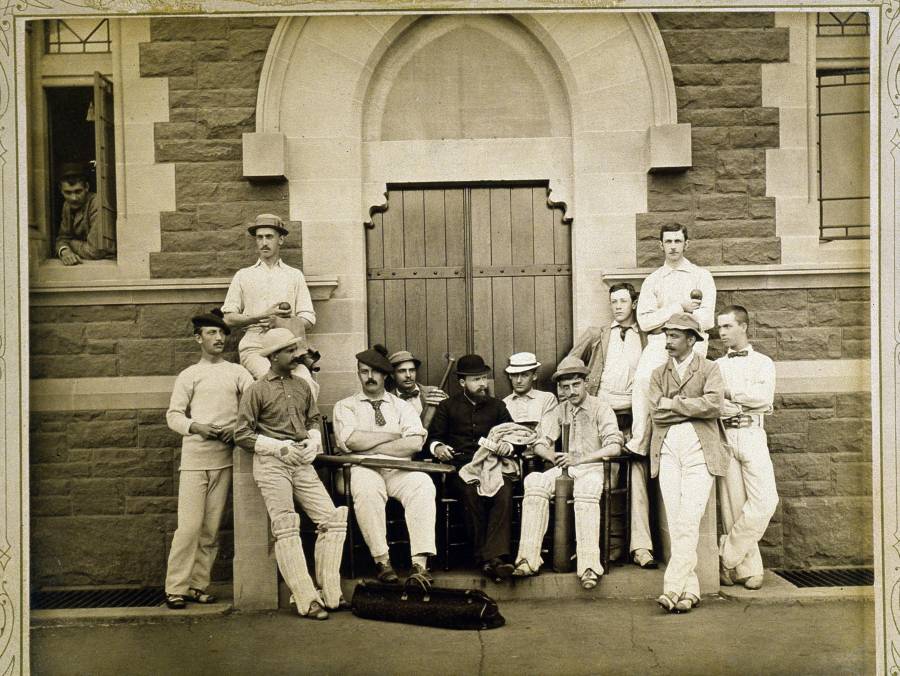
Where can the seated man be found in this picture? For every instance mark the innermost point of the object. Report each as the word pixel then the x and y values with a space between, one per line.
pixel 82 233
pixel 593 435
pixel 406 386
pixel 278 421
pixel 526 404
pixel 612 354
pixel 379 424
pixel 458 425
pixel 687 451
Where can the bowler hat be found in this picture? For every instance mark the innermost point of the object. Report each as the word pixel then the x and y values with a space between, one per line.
pixel 211 318
pixel 522 362
pixel 402 356
pixel 274 340
pixel 684 322
pixel 267 221
pixel 471 365
pixel 570 366
pixel 376 357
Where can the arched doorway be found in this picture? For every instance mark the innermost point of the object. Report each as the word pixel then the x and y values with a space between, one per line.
pixel 459 268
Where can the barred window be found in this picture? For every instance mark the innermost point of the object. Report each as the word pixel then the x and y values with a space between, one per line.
pixel 77 36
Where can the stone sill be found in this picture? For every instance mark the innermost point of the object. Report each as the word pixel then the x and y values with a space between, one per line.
pixel 148 291
pixel 148 392
pixel 778 276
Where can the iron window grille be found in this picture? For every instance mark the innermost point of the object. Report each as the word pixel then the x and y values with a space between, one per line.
pixel 832 224
pixel 77 36
pixel 841 24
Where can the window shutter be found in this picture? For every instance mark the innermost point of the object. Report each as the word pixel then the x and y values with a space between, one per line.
pixel 104 152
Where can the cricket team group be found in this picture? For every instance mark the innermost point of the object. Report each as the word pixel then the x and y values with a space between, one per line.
pixel 637 384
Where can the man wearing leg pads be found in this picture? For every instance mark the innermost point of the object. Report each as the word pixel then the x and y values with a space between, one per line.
pixel 279 422
pixel 593 435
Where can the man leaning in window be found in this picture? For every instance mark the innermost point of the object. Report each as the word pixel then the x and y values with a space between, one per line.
pixel 82 232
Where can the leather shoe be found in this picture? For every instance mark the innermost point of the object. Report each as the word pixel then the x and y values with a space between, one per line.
pixel 643 559
pixel 316 612
pixel 589 579
pixel 497 570
pixel 385 573
pixel 753 582
pixel 686 602
pixel 421 572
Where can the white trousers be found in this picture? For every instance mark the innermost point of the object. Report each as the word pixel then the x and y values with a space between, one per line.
pixel 653 356
pixel 685 484
pixel 586 493
pixel 259 366
pixel 414 490
pixel 202 495
pixel 640 505
pixel 750 498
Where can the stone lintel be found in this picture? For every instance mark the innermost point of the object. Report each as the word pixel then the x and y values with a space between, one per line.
pixel 774 277
pixel 670 147
pixel 264 155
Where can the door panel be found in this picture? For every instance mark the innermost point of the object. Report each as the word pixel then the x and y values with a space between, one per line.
pixel 462 270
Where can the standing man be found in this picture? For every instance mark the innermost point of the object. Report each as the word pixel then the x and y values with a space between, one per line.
pixel 203 409
pixel 526 404
pixel 378 424
pixel 749 497
pixel 593 435
pixel 278 421
pixel 265 292
pixel 82 231
pixel 612 355
pixel 406 386
pixel 671 289
pixel 458 425
pixel 687 451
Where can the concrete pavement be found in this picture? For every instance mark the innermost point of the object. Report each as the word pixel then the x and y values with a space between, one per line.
pixel 601 636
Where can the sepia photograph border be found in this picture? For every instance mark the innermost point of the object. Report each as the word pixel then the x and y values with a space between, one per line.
pixel 14 301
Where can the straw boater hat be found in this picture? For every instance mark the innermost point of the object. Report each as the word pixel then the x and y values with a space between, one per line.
pixel 570 366
pixel 267 221
pixel 522 362
pixel 274 340
pixel 684 322
pixel 376 357
pixel 402 356
pixel 471 365
pixel 211 318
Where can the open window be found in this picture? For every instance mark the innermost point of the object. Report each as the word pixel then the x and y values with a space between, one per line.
pixel 71 121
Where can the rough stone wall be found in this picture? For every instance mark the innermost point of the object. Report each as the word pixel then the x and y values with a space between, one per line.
pixel 716 62
pixel 104 488
pixel 790 324
pixel 213 67
pixel 92 341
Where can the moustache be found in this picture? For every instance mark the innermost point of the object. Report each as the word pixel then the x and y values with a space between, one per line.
pixel 371 382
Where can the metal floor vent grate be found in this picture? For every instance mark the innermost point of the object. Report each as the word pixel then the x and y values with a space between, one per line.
pixel 828 577
pixel 122 597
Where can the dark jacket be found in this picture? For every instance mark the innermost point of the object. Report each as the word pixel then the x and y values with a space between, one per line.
pixel 460 424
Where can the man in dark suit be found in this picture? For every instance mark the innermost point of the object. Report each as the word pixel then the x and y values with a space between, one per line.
pixel 687 450
pixel 459 423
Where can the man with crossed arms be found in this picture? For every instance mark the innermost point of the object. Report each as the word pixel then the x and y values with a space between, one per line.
pixel 379 424
pixel 749 496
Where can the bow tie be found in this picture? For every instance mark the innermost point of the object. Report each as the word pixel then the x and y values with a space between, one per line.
pixel 408 395
pixel 738 353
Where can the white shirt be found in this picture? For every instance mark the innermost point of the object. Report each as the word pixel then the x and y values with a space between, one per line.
pixel 622 357
pixel 683 435
pixel 750 380
pixel 206 393
pixel 531 406
pixel 665 288
pixel 356 413
pixel 259 287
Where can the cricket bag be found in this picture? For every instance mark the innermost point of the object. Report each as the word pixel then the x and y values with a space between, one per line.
pixel 416 602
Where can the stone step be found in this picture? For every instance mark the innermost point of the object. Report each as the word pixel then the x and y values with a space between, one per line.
pixel 622 582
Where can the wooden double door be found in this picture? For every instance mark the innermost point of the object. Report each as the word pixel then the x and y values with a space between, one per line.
pixel 462 269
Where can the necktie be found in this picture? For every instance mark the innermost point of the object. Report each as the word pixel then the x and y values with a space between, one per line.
pixel 622 331
pixel 408 395
pixel 379 416
pixel 739 353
